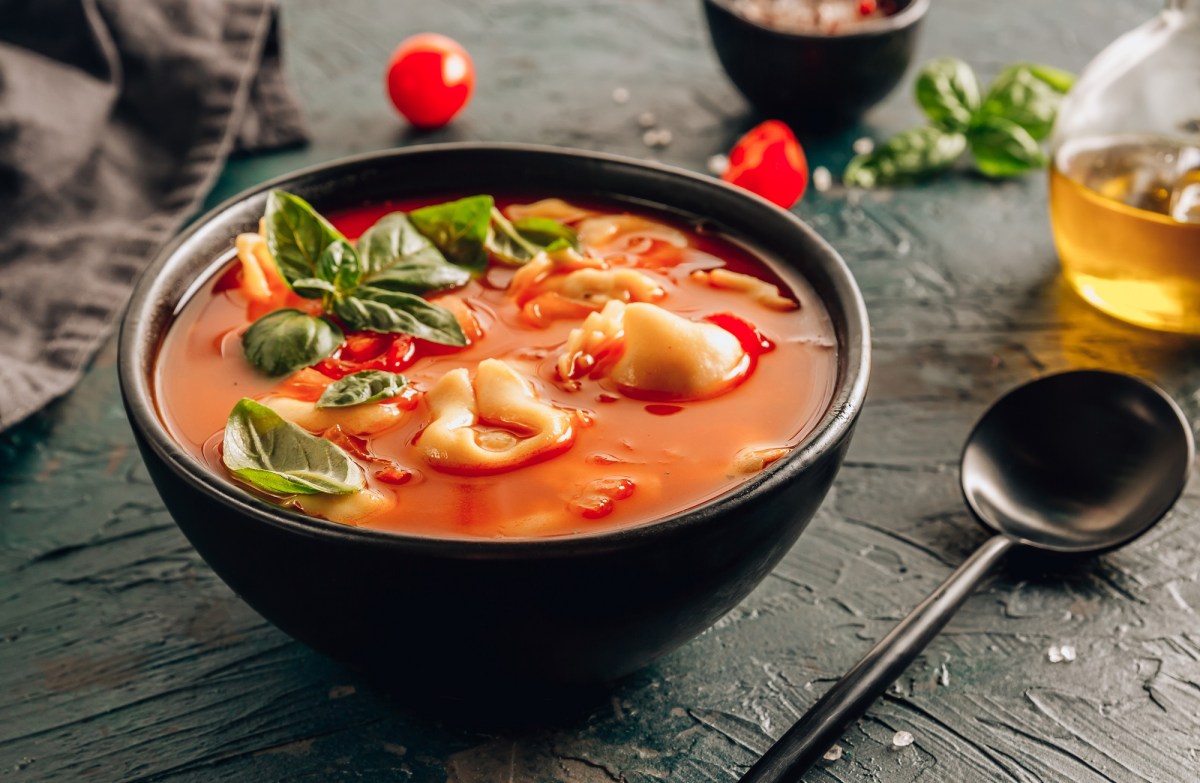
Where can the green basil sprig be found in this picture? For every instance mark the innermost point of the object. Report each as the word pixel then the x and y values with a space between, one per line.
pixel 284 341
pixel 1002 127
pixel 948 93
pixel 274 455
pixel 362 387
pixel 377 284
pixel 397 257
pixel 907 157
pixel 458 228
pixel 379 310
pixel 296 235
pixel 520 241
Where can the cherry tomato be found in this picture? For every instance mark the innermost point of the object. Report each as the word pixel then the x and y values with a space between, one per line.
pixel 429 79
pixel 770 162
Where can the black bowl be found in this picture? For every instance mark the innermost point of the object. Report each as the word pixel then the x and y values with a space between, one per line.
pixel 815 82
pixel 463 617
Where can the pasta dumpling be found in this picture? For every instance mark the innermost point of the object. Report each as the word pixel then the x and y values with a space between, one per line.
pixel 759 291
pixel 567 284
pixel 644 348
pixel 492 424
pixel 356 419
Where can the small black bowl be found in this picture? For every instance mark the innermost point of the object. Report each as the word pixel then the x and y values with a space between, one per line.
pixel 815 82
pixel 465 618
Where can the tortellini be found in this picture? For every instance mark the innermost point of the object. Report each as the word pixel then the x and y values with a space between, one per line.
pixel 491 424
pixel 567 284
pixel 348 509
pixel 644 348
pixel 552 208
pixel 356 419
pixel 627 233
pixel 760 291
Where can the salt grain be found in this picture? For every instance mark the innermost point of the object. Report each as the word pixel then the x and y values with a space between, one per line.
pixel 620 95
pixel 822 179
pixel 718 164
pixel 647 119
pixel 902 739
pixel 833 754
pixel 864 146
pixel 660 137
pixel 1061 653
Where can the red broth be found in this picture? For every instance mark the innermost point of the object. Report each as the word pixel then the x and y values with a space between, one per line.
pixel 632 460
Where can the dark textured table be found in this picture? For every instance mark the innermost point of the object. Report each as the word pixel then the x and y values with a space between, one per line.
pixel 123 658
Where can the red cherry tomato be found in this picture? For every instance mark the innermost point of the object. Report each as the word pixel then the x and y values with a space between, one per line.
pixel 429 79
pixel 770 162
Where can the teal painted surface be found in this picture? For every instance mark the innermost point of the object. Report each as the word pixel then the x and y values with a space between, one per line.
pixel 123 658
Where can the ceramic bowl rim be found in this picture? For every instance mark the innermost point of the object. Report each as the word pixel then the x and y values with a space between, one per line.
pixel 834 425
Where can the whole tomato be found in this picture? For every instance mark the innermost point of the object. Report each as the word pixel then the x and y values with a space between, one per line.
pixel 769 161
pixel 429 79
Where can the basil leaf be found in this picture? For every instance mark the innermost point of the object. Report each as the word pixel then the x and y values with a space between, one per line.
pixel 378 310
pixel 1003 148
pixel 284 341
pixel 506 244
pixel 296 235
pixel 948 92
pixel 1060 80
pixel 547 232
pixel 361 387
pixel 313 287
pixel 339 264
pixel 906 157
pixel 392 240
pixel 274 455
pixel 1019 95
pixel 458 228
pixel 518 243
pixel 419 278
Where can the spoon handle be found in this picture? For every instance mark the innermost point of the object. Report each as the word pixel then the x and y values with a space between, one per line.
pixel 804 743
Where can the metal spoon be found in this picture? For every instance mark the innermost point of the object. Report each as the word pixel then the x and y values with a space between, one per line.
pixel 1076 463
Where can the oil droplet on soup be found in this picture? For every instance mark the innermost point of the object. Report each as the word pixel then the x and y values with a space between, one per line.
pixel 623 455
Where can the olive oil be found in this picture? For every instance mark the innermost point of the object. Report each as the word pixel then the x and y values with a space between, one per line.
pixel 1126 217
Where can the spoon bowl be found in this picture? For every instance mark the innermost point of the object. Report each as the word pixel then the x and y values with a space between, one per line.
pixel 1080 462
pixel 1075 463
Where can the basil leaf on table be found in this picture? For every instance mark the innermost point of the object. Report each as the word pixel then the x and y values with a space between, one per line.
pixel 270 453
pixel 1003 148
pixel 1020 96
pixel 906 157
pixel 948 93
pixel 394 240
pixel 339 265
pixel 378 310
pixel 1062 81
pixel 362 387
pixel 296 235
pixel 284 341
pixel 458 228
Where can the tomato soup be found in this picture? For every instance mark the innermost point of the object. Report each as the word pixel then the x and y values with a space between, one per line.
pixel 583 367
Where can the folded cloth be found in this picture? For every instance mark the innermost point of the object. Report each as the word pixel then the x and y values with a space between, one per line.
pixel 116 117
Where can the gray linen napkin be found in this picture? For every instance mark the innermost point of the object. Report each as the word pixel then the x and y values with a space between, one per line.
pixel 116 117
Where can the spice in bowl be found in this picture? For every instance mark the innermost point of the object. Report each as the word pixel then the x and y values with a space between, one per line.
pixel 827 17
